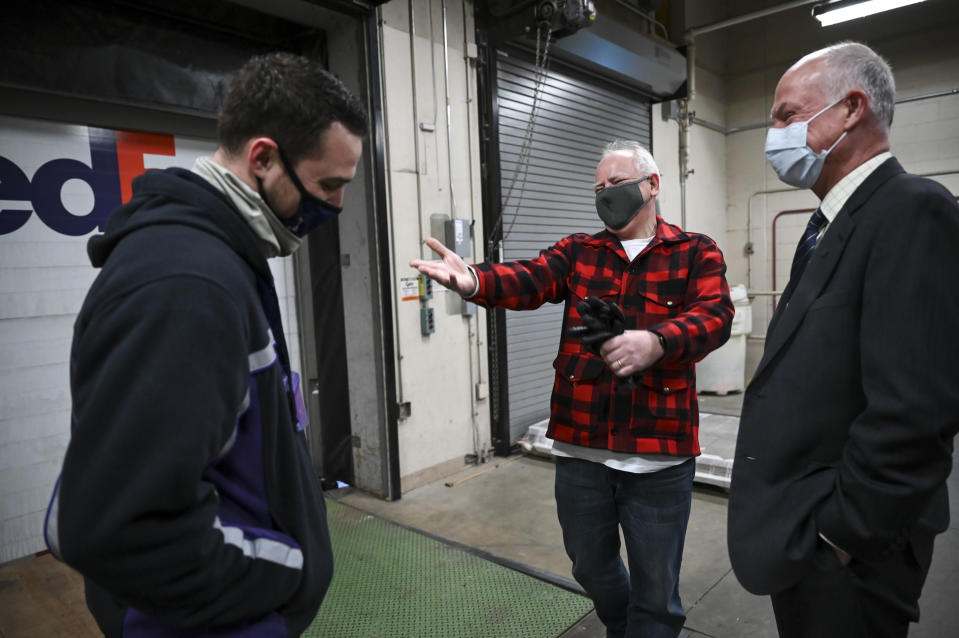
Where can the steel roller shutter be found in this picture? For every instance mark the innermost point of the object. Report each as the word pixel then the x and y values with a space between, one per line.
pixel 576 116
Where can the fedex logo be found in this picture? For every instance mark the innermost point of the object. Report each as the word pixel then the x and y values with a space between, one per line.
pixel 116 157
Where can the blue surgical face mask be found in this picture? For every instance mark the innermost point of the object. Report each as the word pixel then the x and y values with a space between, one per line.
pixel 312 211
pixel 790 156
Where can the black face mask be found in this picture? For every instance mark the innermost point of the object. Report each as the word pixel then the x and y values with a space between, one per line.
pixel 312 211
pixel 617 205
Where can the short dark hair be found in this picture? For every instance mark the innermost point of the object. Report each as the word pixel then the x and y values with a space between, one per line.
pixel 290 99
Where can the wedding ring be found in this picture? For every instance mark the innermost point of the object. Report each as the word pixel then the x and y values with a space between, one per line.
pixel 619 363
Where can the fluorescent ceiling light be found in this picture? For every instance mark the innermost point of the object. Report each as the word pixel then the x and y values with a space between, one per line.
pixel 834 12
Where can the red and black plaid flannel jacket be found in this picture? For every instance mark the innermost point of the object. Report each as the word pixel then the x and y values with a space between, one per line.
pixel 675 287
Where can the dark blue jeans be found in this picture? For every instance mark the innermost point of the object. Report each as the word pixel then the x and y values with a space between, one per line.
pixel 593 502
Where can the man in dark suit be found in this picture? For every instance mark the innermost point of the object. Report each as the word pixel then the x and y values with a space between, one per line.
pixel 845 442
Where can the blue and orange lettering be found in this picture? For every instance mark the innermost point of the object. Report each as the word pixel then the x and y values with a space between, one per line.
pixel 116 158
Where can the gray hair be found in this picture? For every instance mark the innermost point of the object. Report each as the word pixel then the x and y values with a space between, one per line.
pixel 855 66
pixel 642 158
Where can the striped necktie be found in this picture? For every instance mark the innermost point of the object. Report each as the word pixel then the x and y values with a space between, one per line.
pixel 807 244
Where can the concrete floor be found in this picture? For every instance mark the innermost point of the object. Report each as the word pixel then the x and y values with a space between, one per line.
pixel 506 509
pixel 510 512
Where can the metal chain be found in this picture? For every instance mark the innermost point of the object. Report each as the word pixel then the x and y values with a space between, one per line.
pixel 541 71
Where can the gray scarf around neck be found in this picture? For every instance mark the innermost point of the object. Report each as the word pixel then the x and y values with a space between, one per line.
pixel 275 239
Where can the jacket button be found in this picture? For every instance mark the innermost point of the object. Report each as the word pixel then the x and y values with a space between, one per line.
pixel 669 303
pixel 666 389
pixel 572 377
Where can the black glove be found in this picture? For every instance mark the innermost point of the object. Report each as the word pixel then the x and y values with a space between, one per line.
pixel 602 320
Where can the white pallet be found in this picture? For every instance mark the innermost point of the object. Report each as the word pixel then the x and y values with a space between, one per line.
pixel 717 440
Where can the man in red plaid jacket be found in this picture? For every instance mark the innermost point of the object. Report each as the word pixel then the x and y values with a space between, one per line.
pixel 624 457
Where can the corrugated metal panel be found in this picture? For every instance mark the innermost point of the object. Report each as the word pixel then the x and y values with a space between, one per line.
pixel 551 198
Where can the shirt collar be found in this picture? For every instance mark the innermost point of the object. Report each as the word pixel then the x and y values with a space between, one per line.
pixel 837 196
pixel 666 232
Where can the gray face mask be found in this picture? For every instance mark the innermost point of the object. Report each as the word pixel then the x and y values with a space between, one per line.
pixel 618 205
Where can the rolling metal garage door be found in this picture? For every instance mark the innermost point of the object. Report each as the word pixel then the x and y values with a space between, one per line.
pixel 552 197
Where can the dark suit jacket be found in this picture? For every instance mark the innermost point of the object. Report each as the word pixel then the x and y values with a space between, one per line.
pixel 847 425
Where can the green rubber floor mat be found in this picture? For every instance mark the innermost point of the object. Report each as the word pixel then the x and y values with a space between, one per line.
pixel 392 582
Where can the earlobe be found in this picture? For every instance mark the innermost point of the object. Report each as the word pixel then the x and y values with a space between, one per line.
pixel 857 107
pixel 653 184
pixel 260 155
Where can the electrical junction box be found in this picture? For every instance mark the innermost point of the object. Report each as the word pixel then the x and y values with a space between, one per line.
pixel 427 326
pixel 425 287
pixel 459 236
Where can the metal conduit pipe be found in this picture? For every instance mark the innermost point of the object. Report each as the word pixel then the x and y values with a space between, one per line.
pixel 479 454
pixel 719 128
pixel 416 145
pixel 682 120
pixel 747 17
pixel 397 342
pixel 685 120
pixel 690 67
pixel 682 178
pixel 473 321
pixel 722 24
pixel 916 98
pixel 449 118
pixel 748 248
pixel 795 211
pixel 645 17
pixel 684 171
pixel 691 83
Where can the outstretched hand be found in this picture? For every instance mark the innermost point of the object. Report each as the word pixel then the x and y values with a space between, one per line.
pixel 451 271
